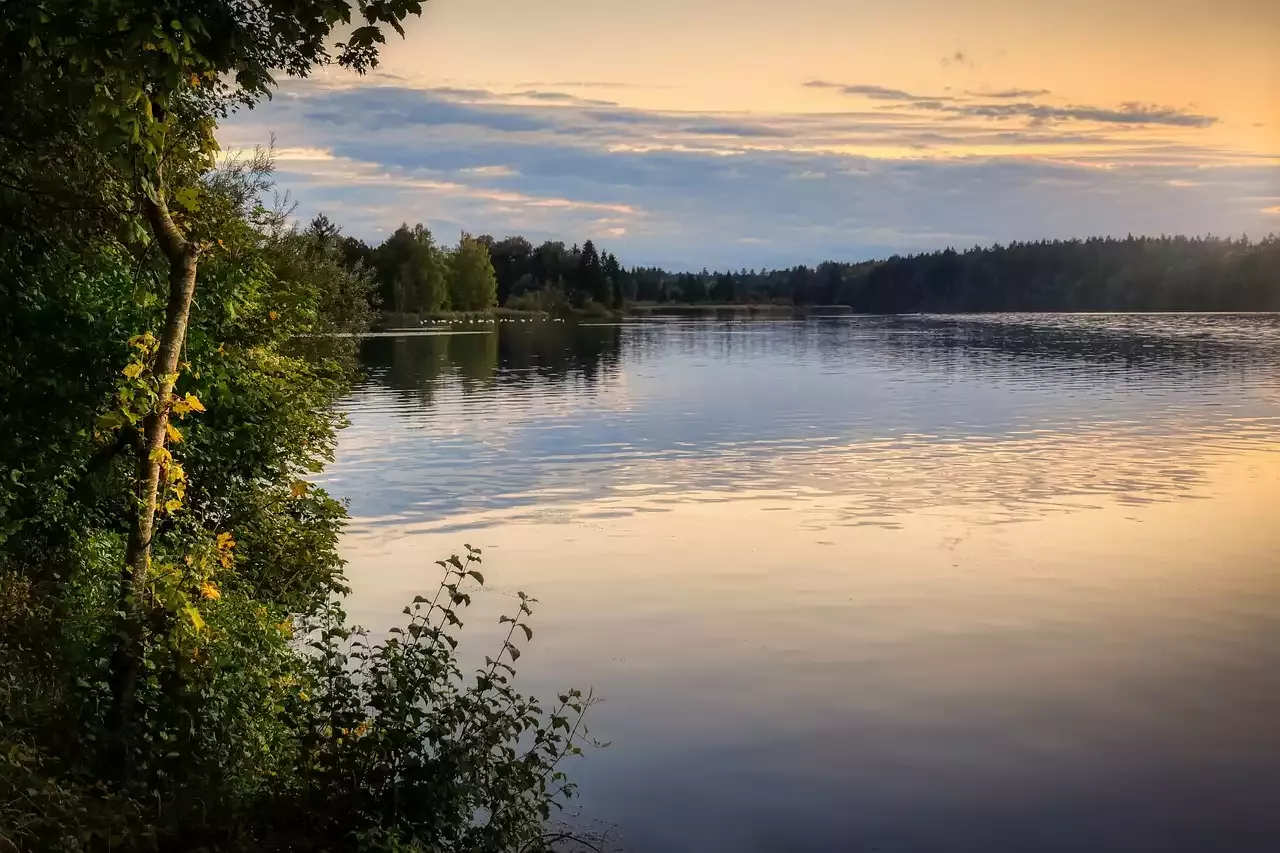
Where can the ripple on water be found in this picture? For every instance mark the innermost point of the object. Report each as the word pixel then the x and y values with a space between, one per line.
pixel 865 582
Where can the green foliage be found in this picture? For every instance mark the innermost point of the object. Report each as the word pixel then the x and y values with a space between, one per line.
pixel 416 276
pixel 399 743
pixel 412 272
pixel 151 77
pixel 1100 274
pixel 472 283
pixel 266 732
pixel 551 300
pixel 159 541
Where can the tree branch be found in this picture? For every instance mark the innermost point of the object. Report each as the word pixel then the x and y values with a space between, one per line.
pixel 168 235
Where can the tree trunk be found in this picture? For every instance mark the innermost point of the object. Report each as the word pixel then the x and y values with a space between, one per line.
pixel 126 658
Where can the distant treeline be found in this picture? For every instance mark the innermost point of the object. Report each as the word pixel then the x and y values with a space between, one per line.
pixel 1098 274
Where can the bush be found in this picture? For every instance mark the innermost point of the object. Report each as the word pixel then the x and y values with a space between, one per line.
pixel 253 739
pixel 551 300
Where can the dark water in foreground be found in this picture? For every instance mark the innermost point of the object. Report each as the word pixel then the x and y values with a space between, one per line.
pixel 1001 583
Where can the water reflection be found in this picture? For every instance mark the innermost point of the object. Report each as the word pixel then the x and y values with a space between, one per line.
pixel 873 409
pixel 898 583
pixel 417 364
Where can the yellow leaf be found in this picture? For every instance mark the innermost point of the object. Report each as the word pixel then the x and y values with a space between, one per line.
pixel 225 541
pixel 195 80
pixel 299 489
pixel 172 505
pixel 133 370
pixel 303 696
pixel 273 315
pixel 174 435
pixel 197 621
pixel 160 454
pixel 285 627
pixel 194 403
pixel 210 590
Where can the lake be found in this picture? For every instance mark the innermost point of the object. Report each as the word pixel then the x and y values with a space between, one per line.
pixel 919 583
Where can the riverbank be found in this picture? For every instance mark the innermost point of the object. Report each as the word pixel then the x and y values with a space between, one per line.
pixel 401 320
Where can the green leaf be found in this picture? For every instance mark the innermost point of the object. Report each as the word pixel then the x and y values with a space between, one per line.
pixel 188 198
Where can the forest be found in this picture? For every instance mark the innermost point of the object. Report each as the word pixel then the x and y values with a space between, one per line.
pixel 1098 274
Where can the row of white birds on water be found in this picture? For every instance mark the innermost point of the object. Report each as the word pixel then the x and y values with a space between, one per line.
pixel 485 320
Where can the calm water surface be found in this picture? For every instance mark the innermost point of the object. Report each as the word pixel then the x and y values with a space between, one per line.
pixel 998 583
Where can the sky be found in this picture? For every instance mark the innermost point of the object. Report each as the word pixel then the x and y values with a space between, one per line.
pixel 691 133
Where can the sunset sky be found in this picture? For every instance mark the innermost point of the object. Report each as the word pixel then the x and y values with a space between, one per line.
pixel 747 134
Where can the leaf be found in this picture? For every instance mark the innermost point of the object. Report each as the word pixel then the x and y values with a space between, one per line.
pixel 210 590
pixel 528 632
pixel 133 370
pixel 160 454
pixel 188 198
pixel 479 577
pixel 197 621
pixel 172 505
pixel 194 403
pixel 299 489
pixel 172 431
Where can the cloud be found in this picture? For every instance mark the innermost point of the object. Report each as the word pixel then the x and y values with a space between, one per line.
pixel 876 93
pixel 1012 93
pixel 563 98
pixel 1129 113
pixel 1132 112
pixel 490 171
pixel 590 84
pixel 737 130
pixel 384 107
pixel 733 189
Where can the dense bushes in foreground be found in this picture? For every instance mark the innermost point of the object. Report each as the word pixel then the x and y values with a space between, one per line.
pixel 253 734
